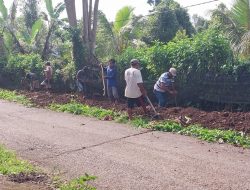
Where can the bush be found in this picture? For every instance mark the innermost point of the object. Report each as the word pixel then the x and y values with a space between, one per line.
pixel 18 65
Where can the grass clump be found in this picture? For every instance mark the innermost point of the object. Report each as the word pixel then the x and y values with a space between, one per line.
pixel 80 183
pixel 13 97
pixel 9 164
pixel 210 135
pixel 80 109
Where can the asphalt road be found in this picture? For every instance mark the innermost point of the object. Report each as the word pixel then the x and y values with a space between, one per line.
pixel 120 156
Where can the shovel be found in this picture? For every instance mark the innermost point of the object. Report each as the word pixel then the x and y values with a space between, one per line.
pixel 156 115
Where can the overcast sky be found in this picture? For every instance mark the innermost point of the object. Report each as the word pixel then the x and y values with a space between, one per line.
pixel 110 7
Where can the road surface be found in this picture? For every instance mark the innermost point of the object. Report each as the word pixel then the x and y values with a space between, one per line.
pixel 122 157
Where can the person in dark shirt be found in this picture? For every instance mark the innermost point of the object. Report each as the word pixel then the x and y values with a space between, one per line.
pixel 112 81
pixel 82 80
pixel 33 80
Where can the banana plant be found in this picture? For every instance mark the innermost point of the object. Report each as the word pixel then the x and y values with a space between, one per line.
pixel 7 22
pixel 52 17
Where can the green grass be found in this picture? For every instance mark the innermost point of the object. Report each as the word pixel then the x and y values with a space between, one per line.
pixel 209 135
pixel 14 97
pixel 79 184
pixel 9 164
pixel 80 109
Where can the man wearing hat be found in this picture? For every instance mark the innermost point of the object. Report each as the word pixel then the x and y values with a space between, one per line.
pixel 134 90
pixel 165 85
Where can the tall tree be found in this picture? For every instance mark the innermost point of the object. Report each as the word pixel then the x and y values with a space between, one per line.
pixel 167 18
pixel 30 12
pixel 71 12
pixel 90 17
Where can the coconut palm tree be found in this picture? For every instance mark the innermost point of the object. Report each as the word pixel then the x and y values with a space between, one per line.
pixel 120 30
pixel 236 24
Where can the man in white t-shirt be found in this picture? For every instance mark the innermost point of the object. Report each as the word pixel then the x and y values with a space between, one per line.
pixel 134 90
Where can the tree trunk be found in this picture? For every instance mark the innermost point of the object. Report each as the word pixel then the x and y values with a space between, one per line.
pixel 46 45
pixel 71 12
pixel 85 21
pixel 93 33
pixel 16 41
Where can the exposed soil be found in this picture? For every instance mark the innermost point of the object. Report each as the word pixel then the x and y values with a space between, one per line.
pixel 211 119
pixel 25 182
pixel 31 177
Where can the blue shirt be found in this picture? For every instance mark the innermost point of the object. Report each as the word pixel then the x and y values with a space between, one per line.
pixel 111 77
pixel 164 78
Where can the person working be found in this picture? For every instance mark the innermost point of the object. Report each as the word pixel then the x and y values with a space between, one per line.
pixel 165 85
pixel 83 82
pixel 48 76
pixel 33 81
pixel 134 90
pixel 111 81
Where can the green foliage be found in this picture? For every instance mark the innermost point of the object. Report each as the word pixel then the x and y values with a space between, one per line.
pixel 30 12
pixel 14 97
pixel 79 183
pixel 49 7
pixel 235 23
pixel 207 51
pixel 18 65
pixel 9 164
pixel 210 135
pixel 168 17
pixel 80 109
pixel 36 27
pixel 3 10
pixel 122 18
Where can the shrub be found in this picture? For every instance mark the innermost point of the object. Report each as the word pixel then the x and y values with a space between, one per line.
pixel 18 65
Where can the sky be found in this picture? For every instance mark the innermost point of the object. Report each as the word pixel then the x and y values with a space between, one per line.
pixel 110 7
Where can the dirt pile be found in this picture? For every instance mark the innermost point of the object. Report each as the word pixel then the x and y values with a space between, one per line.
pixel 212 119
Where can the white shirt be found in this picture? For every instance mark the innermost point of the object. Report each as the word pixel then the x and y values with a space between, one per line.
pixel 132 78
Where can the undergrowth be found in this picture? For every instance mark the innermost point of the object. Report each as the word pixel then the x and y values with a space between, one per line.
pixel 9 164
pixel 80 183
pixel 14 97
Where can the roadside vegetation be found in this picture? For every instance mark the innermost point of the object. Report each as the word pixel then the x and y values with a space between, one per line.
pixel 209 135
pixel 14 97
pixel 80 183
pixel 10 164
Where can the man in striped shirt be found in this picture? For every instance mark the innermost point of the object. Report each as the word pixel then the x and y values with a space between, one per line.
pixel 165 85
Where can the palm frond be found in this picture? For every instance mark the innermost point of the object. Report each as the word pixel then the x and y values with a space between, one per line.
pixel 240 13
pixel 60 7
pixel 13 11
pixel 49 7
pixel 3 10
pixel 123 16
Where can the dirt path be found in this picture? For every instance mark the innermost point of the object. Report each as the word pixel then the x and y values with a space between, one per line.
pixel 120 156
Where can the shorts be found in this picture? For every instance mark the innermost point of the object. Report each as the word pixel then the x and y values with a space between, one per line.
pixel 132 101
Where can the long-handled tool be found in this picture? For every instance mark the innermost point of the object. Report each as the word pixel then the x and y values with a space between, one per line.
pixel 103 82
pixel 156 115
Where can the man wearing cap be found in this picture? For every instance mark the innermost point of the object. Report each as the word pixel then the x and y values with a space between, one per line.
pixel 134 90
pixel 165 85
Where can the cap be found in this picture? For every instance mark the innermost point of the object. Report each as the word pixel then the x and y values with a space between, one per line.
pixel 134 61
pixel 173 71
